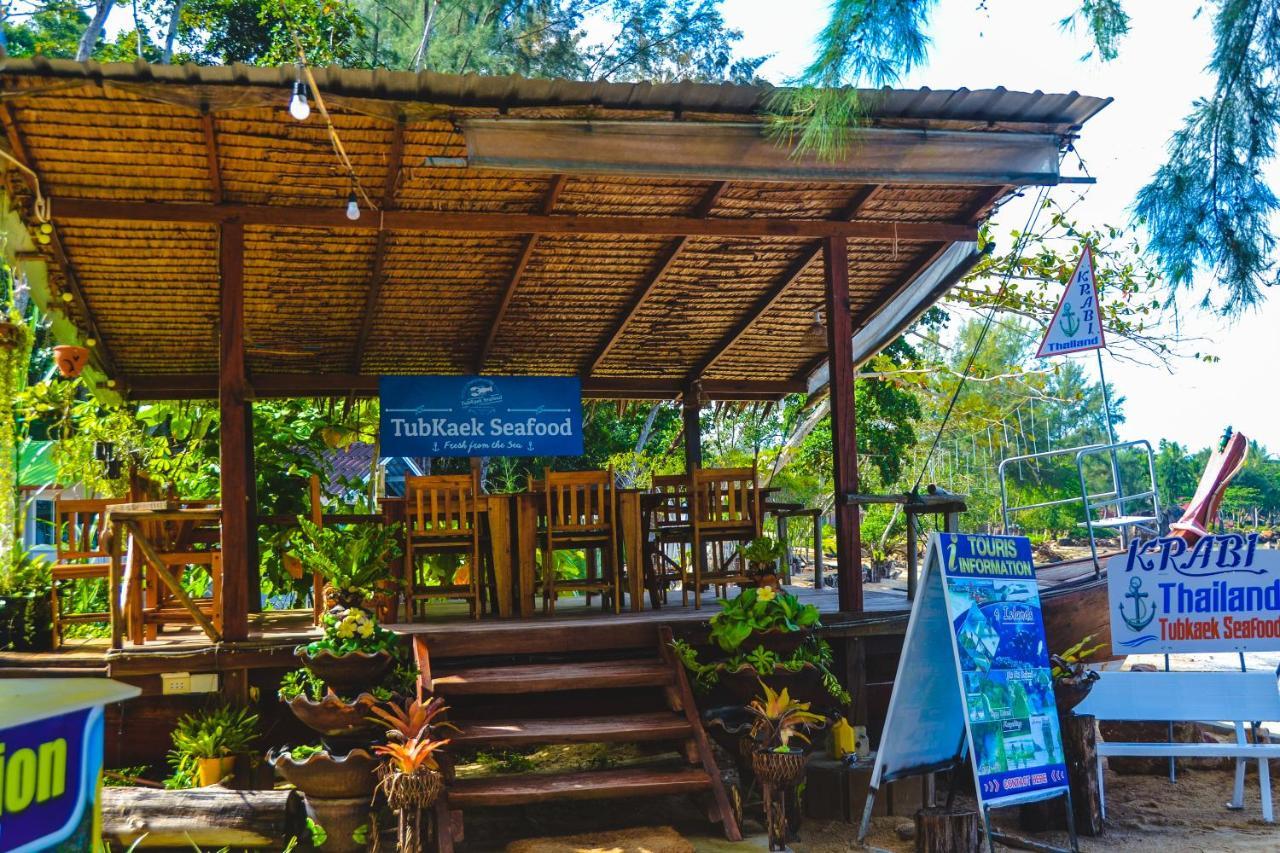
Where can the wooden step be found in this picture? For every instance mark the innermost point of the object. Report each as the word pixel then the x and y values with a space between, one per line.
pixel 547 678
pixel 588 785
pixel 628 728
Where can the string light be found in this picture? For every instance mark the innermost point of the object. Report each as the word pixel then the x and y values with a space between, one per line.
pixel 817 334
pixel 353 206
pixel 299 105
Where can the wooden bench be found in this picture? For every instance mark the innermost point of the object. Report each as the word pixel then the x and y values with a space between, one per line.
pixel 1234 697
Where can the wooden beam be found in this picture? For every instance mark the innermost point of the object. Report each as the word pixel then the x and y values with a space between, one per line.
pixel 211 153
pixel 835 263
pixel 99 354
pixel 774 294
pixel 233 438
pixel 665 260
pixel 527 247
pixel 332 216
pixel 691 411
pixel 373 293
pixel 205 385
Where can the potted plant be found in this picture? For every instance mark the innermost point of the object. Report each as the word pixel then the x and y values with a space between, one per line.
pixel 761 556
pixel 777 760
pixel 26 616
pixel 336 791
pixel 353 559
pixel 353 652
pixel 1071 680
pixel 205 745
pixel 774 618
pixel 411 781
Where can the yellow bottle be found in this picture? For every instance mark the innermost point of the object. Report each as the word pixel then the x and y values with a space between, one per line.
pixel 842 738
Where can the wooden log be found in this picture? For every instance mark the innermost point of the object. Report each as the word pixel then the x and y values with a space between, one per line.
pixel 941 831
pixel 208 817
pixel 1080 745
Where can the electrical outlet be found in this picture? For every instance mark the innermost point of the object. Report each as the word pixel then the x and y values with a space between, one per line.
pixel 175 682
pixel 204 682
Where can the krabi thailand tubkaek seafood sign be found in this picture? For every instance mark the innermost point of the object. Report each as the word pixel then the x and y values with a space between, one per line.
pixel 480 416
pixel 1220 594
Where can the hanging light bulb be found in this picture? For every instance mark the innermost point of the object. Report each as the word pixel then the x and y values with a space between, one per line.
pixel 353 207
pixel 299 105
pixel 817 334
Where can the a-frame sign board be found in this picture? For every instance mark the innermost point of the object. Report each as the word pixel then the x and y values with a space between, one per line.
pixel 974 679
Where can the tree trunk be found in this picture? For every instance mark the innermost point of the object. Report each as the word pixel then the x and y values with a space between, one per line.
pixel 428 16
pixel 208 817
pixel 102 8
pixel 172 34
pixel 941 831
pixel 1080 744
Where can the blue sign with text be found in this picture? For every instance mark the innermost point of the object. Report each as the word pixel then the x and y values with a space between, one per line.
pixel 993 603
pixel 49 781
pixel 480 416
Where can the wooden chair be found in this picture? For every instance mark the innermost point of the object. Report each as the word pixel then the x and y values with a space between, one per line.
pixel 581 514
pixel 81 554
pixel 183 548
pixel 670 532
pixel 724 507
pixel 441 516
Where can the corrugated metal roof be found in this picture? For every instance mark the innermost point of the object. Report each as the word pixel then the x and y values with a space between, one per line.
pixel 1060 112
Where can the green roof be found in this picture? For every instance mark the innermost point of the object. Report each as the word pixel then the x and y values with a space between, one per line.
pixel 35 464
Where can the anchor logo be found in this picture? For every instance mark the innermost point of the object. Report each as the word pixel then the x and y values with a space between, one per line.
pixel 1069 322
pixel 1143 612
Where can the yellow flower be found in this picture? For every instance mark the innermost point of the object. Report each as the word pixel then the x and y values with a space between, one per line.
pixel 366 630
pixel 765 593
pixel 346 629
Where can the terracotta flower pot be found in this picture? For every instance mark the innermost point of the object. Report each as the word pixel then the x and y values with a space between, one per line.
pixel 324 776
pixel 333 717
pixel 70 360
pixel 211 771
pixel 341 818
pixel 347 673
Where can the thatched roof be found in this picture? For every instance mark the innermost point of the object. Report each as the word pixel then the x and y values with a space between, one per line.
pixel 640 236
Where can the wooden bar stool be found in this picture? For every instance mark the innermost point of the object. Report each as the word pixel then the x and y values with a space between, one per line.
pixel 581 514
pixel 442 516
pixel 724 507
pixel 81 555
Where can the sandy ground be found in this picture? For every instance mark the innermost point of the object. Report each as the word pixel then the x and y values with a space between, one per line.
pixel 1145 814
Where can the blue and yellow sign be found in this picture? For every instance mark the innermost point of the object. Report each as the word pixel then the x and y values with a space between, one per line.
pixel 480 416
pixel 51 762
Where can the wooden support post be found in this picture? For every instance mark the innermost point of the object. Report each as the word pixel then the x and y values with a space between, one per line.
pixel 1080 744
pixel 251 480
pixel 233 436
pixel 939 830
pixel 835 263
pixel 692 431
pixel 817 550
pixel 785 568
pixel 913 555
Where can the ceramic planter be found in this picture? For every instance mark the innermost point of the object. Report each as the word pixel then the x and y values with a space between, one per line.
pixel 324 776
pixel 70 360
pixel 211 771
pixel 740 686
pixel 341 817
pixel 782 643
pixel 332 717
pixel 347 673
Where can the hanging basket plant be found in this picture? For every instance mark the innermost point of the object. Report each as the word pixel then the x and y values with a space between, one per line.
pixel 70 359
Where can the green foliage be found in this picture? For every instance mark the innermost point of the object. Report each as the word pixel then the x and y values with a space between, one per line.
pixel 763 550
pixel 1106 22
pixel 352 558
pixel 216 733
pixel 756 611
pixel 301 682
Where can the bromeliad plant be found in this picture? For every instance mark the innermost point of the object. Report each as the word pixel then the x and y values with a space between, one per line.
pixel 778 719
pixel 411 777
pixel 415 719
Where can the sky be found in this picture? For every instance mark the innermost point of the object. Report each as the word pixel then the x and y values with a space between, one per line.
pixel 1018 45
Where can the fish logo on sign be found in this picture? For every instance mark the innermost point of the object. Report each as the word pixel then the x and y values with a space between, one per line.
pixel 1077 323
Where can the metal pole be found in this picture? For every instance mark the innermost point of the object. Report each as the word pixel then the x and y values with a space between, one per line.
pixel 1111 439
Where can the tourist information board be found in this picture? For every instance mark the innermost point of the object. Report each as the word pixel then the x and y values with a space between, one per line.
pixel 1221 594
pixel 1076 325
pixel 480 416
pixel 977 615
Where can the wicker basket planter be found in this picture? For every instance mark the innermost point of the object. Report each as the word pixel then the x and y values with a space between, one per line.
pixel 347 673
pixel 411 790
pixel 782 769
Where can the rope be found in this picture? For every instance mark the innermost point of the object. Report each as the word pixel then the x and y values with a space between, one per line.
pixel 1018 246
pixel 334 139
pixel 41 203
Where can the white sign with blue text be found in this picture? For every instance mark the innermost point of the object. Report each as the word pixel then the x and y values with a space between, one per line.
pixel 977 615
pixel 1076 325
pixel 1221 594
pixel 480 416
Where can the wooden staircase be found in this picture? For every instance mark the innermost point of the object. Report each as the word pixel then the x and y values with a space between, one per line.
pixel 671 717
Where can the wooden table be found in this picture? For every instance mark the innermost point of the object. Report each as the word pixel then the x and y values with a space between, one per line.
pixel 129 519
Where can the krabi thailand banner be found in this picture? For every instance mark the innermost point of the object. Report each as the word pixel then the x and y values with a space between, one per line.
pixel 480 416
pixel 1006 681
pixel 1221 594
pixel 1076 325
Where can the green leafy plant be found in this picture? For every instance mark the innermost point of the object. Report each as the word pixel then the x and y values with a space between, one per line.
pixel 759 610
pixel 217 733
pixel 762 552
pixel 26 620
pixel 353 630
pixel 302 753
pixel 301 682
pixel 354 559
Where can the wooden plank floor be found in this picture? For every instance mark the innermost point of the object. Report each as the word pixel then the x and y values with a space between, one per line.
pixel 451 633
